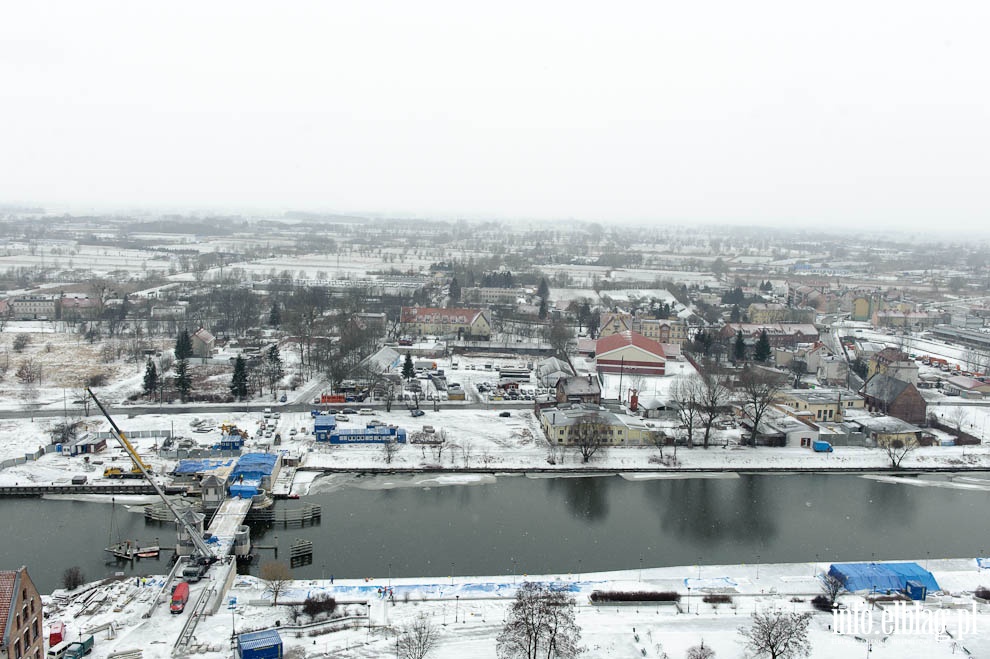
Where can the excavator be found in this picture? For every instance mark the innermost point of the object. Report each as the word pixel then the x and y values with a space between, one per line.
pixel 202 556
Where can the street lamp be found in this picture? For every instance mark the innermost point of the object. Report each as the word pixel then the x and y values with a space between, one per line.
pixel 640 567
pixel 689 599
pixel 457 599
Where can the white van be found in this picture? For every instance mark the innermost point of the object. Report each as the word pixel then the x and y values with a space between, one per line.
pixel 268 412
pixel 57 651
pixel 366 411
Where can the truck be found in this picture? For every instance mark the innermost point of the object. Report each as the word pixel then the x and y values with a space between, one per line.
pixel 79 649
pixel 180 595
pixel 821 446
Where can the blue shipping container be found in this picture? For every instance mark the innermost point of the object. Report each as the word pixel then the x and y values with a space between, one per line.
pixel 266 644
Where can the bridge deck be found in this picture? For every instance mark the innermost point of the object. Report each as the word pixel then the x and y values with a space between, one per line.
pixel 228 518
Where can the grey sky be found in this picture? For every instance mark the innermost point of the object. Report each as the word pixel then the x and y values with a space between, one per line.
pixel 757 112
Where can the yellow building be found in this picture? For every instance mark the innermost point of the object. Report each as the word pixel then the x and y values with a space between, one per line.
pixel 559 426
pixel 820 404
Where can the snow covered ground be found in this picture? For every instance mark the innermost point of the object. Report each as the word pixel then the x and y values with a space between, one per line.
pixel 469 611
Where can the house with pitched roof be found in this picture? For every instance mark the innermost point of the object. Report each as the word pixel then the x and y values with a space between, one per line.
pixel 471 324
pixel 630 352
pixel 203 342
pixel 894 397
pixel 20 616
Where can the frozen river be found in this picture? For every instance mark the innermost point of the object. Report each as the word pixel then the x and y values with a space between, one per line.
pixel 518 525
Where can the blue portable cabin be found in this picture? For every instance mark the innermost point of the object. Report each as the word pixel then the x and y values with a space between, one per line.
pixel 323 426
pixel 266 644
pixel 231 442
pixel 374 435
pixel 916 590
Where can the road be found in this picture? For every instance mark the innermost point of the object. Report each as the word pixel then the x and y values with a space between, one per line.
pixel 134 410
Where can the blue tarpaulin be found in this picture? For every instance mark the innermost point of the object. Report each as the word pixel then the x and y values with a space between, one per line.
pixel 193 466
pixel 882 577
pixel 254 466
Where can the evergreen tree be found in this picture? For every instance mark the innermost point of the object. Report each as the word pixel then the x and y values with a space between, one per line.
pixel 762 351
pixel 735 315
pixel 183 383
pixel 239 381
pixel 544 290
pixel 183 346
pixel 739 350
pixel 274 316
pixel 408 370
pixel 273 368
pixel 543 308
pixel 150 378
pixel 455 290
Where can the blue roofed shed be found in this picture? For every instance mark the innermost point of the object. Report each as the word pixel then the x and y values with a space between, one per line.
pixel 883 577
pixel 266 644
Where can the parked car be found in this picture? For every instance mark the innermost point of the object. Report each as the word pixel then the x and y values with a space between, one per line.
pixel 292 432
pixel 504 414
pixel 341 417
pixel 277 415
pixel 349 410
pixel 282 398
pixel 417 412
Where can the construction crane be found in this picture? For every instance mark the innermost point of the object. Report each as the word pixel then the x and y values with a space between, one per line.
pixel 140 468
pixel 202 556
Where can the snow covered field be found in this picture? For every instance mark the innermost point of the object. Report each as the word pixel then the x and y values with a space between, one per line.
pixel 469 611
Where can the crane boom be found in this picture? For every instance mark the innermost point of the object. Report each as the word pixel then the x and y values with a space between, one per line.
pixel 203 550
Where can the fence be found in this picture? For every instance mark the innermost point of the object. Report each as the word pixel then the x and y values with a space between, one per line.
pixel 42 450
pixel 137 434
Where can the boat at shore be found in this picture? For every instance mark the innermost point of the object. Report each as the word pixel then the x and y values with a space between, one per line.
pixel 128 550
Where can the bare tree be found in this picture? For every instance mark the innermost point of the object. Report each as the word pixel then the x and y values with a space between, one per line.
pixel 831 587
pixel 714 398
pixel 418 639
pixel 276 576
pixel 958 417
pixel 896 450
pixel 757 389
pixel 73 577
pixel 589 435
pixel 700 652
pixel 389 449
pixel 540 624
pixel 686 394
pixel 439 444
pixel 778 635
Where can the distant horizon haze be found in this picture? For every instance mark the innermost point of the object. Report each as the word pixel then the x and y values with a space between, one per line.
pixel 769 113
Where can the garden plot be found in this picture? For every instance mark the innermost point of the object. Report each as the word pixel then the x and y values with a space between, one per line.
pixel 99 260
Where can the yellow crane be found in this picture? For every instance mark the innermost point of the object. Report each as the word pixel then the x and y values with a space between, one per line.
pixel 140 467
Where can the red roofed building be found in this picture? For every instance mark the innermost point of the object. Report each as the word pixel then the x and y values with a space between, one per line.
pixel 630 352
pixel 20 616
pixel 464 323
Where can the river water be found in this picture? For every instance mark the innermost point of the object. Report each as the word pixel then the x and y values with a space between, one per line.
pixel 518 525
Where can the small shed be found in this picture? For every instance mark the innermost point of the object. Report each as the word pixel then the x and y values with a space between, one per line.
pixel 916 590
pixel 266 644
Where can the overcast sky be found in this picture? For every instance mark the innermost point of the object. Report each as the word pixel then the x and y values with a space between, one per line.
pixel 847 113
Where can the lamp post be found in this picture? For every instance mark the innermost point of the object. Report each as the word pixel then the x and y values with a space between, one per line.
pixel 689 599
pixel 389 575
pixel 641 567
pixel 457 599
